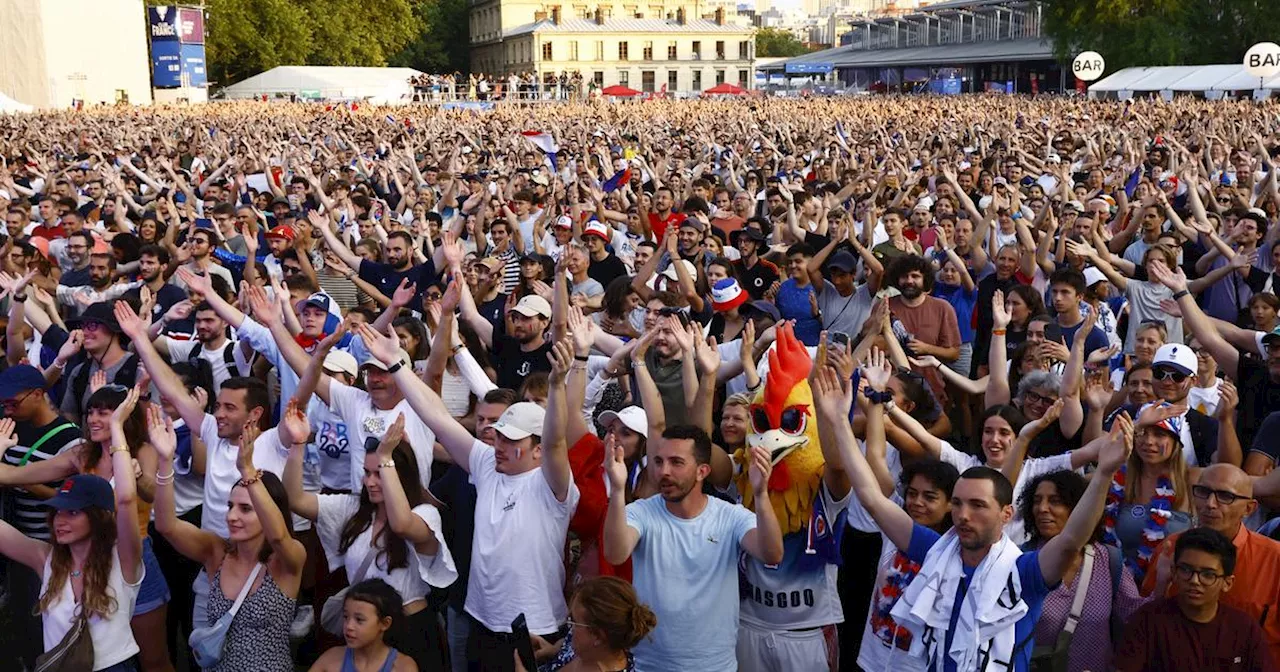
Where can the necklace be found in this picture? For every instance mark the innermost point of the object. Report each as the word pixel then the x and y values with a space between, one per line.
pixel 75 573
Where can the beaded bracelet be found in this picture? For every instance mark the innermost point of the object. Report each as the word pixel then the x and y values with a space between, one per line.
pixel 877 397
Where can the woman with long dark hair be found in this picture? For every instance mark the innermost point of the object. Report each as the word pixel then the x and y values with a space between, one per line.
pixel 93 567
pixel 390 531
pixel 107 406
pixel 260 552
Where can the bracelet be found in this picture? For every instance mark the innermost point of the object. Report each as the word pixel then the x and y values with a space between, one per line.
pixel 877 397
pixel 165 479
pixel 999 332
pixel 119 449
pixel 638 365
pixel 580 358
pixel 389 464
pixel 395 367
pixel 59 366
pixel 246 482
pixel 1180 294
pixel 19 297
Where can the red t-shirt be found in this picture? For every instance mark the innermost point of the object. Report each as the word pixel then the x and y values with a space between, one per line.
pixel 1159 637
pixel 586 462
pixel 659 226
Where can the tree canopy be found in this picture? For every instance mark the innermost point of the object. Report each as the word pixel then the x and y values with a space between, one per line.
pixel 1159 32
pixel 772 42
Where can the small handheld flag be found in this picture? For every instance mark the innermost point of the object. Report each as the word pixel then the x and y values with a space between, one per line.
pixel 619 178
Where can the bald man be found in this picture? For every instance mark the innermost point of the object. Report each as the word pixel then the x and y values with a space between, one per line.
pixel 1256 590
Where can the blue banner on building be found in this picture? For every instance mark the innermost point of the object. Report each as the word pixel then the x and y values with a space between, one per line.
pixel 166 64
pixel 164 24
pixel 808 68
pixel 193 65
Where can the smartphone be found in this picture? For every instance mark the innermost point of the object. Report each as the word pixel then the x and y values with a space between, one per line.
pixel 838 339
pixel 524 645
pixel 1053 332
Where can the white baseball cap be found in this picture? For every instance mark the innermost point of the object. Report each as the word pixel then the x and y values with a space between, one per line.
pixel 339 361
pixel 376 363
pixel 632 417
pixel 1093 276
pixel 1176 356
pixel 670 272
pixel 520 420
pixel 532 305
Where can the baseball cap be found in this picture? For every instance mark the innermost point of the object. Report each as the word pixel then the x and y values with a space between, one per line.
pixel 492 263
pixel 285 232
pixel 520 420
pixel 18 379
pixel 1172 425
pixel 843 261
pixel 81 492
pixel 1000 181
pixel 376 363
pixel 632 417
pixel 924 205
pixel 338 361
pixel 597 229
pixel 318 300
pixel 691 222
pixel 1175 356
pixel 1272 337
pixel 727 294
pixel 531 305
pixel 1093 276
pixel 767 308
pixel 564 222
pixel 670 272
pixel 1075 205
pixel 541 179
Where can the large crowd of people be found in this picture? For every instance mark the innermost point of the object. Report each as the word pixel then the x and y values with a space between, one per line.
pixel 514 87
pixel 897 383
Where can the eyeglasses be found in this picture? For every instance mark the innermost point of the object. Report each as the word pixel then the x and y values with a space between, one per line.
pixel 290 270
pixel 575 624
pixel 1225 497
pixel 8 404
pixel 1207 577
pixel 1224 200
pixel 1169 374
pixel 91 325
pixel 1033 397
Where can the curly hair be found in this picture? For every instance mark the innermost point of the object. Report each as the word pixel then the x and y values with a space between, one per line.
pixel 1070 487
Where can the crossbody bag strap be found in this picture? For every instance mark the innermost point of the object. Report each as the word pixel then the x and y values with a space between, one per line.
pixel 244 590
pixel 47 435
pixel 1082 589
pixel 364 565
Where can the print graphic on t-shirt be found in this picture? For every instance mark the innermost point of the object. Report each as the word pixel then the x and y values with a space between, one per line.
pixel 332 440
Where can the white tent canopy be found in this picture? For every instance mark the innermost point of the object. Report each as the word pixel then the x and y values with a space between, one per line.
pixel 377 85
pixel 9 105
pixel 1207 79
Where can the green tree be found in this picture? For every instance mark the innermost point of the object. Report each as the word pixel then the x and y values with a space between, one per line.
pixel 245 37
pixel 437 47
pixel 777 42
pixel 359 32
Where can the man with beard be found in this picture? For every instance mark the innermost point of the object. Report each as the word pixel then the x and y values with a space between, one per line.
pixel 152 260
pixel 662 213
pixel 211 344
pixel 524 350
pixel 76 252
pixel 104 350
pixel 685 543
pixel 930 322
pixel 385 277
pixel 102 269
pixel 200 243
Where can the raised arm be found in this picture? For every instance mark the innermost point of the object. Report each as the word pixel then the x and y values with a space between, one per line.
pixel 294 432
pixel 555 451
pixel 191 541
pixel 619 539
pixel 128 540
pixel 289 552
pixel 1196 321
pixel 320 224
pixel 14 544
pixel 166 381
pixel 1013 461
pixel 400 516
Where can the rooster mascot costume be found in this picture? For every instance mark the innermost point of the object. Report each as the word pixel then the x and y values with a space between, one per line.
pixel 789 610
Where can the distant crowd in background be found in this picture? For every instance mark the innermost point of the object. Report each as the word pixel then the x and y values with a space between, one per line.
pixel 526 86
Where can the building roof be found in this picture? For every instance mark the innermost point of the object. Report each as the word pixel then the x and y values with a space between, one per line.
pixel 627 25
pixel 946 54
pixel 1193 78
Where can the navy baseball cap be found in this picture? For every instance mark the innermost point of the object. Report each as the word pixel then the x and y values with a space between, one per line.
pixel 18 379
pixel 319 300
pixel 843 261
pixel 81 492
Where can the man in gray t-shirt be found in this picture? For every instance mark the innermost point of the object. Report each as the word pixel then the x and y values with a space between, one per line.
pixel 844 306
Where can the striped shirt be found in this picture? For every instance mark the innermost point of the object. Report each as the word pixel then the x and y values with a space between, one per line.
pixel 28 514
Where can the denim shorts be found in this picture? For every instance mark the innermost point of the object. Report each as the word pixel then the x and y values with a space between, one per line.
pixel 154 592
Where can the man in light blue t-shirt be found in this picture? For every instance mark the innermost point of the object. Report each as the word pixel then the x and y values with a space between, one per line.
pixel 685 547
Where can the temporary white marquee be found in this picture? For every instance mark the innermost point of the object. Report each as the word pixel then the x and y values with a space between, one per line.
pixel 8 104
pixel 1213 81
pixel 383 86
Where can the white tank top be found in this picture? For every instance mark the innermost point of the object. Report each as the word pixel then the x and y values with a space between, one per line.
pixel 112 637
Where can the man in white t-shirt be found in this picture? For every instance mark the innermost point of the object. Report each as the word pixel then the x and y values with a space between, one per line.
pixel 525 496
pixel 686 547
pixel 226 357
pixel 242 402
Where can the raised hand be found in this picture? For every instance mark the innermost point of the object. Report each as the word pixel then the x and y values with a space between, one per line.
pixel 69 349
pixel 561 358
pixel 196 283
pixel 708 355
pixel 1051 414
pixel 328 342
pixel 582 331
pixel 1228 400
pixel 244 455
pixel 97 381
pixel 1000 316
pixel 8 438
pixel 877 369
pixel 761 468
pixel 1055 350
pixel 393 437
pixel 160 432
pixel 1158 412
pixel 615 465
pixel 684 336
pixel 294 428
pixel 831 394
pixel 1174 279
pixel 1115 450
pixel 925 362
pixel 452 294
pixel 125 409
pixel 403 295
pixel 385 348
pixel 133 326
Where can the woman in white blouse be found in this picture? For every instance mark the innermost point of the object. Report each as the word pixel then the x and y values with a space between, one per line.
pixel 392 519
pixel 94 564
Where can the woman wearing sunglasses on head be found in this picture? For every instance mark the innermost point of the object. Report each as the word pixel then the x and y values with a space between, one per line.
pixel 112 410
pixel 93 567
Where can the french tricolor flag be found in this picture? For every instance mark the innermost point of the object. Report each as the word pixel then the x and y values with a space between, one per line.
pixel 619 178
pixel 544 141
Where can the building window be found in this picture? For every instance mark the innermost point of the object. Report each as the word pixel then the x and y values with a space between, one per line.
pixel 697 50
pixel 647 81
pixel 573 50
pixel 671 50
pixel 648 51
pixel 546 51
pixel 720 50
pixel 697 80
pixel 599 50
pixel 624 77
pixel 598 77
pixel 742 78
pixel 719 76
pixel 673 80
pixel 744 50
pixel 623 49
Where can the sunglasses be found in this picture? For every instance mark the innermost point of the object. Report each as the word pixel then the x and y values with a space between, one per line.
pixel 433 296
pixel 1225 497
pixel 1168 374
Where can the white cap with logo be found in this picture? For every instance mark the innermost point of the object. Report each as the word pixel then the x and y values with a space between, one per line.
pixel 1176 356
pixel 520 420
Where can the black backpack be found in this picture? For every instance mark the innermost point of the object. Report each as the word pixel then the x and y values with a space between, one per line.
pixel 126 375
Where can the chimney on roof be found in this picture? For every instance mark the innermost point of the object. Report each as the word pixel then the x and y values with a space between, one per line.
pixel 555 15
pixel 599 16
pixel 680 16
pixel 719 16
pixel 539 16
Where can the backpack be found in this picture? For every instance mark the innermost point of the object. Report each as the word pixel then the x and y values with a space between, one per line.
pixel 228 356
pixel 126 375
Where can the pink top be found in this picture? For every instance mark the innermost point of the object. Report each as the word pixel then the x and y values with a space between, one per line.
pixel 1091 644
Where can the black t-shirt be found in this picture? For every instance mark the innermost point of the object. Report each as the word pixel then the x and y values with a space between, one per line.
pixel 982 308
pixel 514 364
pixel 1259 396
pixel 1052 442
pixel 607 270
pixel 492 310
pixel 758 279
pixel 387 279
